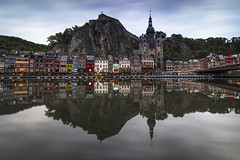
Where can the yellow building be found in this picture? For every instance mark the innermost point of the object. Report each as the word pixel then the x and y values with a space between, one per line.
pixel 70 65
pixel 1 66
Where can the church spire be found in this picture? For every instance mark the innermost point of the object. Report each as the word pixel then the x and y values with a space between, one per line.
pixel 150 29
pixel 150 19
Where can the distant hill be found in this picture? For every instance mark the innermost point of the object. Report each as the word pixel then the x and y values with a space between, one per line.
pixel 101 37
pixel 178 47
pixel 15 43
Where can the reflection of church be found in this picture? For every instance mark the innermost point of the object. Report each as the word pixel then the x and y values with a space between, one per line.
pixel 152 103
pixel 103 108
pixel 151 47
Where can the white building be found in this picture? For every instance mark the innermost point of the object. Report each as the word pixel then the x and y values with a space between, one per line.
pixel 124 65
pixel 101 65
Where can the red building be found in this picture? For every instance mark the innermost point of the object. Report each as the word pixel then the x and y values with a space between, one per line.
pixel 90 64
pixel 230 61
pixel 57 65
pixel 49 62
pixel 147 65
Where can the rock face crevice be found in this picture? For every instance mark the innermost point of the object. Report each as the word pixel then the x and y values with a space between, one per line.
pixel 101 37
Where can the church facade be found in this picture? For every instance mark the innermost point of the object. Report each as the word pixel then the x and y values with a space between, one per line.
pixel 151 47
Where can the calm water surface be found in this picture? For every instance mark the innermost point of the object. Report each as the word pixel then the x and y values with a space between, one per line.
pixel 120 120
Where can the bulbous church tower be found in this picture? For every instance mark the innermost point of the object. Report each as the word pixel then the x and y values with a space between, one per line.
pixel 151 46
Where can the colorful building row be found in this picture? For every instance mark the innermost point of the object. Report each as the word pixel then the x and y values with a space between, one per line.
pixel 135 88
pixel 27 62
pixel 211 61
pixel 23 63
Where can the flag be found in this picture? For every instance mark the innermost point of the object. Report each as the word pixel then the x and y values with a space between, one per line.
pixel 232 100
pixel 230 55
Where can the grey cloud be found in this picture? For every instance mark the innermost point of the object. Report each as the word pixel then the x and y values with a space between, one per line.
pixel 172 16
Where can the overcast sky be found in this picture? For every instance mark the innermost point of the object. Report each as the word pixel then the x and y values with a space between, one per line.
pixel 35 20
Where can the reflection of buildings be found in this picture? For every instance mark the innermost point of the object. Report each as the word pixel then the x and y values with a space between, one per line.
pixel 81 89
pixel 148 88
pixel 103 107
pixel 136 88
pixel 31 89
pixel 75 90
pixel 211 91
pixel 124 89
pixel 89 89
pixel 8 90
pixel 21 89
pixel 143 92
pixel 62 90
pixel 115 87
pixel 38 92
pixel 50 87
pixel 101 87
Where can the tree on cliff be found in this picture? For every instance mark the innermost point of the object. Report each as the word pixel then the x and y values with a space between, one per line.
pixel 65 37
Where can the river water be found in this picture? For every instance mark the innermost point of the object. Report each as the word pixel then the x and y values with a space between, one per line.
pixel 120 119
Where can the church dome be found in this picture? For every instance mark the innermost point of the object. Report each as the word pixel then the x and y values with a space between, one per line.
pixel 150 30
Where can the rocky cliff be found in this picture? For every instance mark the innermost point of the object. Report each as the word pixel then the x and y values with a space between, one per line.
pixel 101 37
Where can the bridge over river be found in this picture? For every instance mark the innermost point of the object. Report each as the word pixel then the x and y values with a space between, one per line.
pixel 225 71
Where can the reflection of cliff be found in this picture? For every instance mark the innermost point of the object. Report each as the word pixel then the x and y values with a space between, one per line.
pixel 103 108
pixel 101 116
pixel 105 116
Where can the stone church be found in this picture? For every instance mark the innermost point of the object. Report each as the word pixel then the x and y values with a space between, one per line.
pixel 151 46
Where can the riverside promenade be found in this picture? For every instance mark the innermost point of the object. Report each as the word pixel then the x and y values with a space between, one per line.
pixel 131 76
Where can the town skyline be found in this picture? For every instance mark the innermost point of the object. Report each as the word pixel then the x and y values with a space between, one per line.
pixel 35 21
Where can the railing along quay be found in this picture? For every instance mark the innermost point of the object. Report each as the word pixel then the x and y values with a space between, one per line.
pixel 69 77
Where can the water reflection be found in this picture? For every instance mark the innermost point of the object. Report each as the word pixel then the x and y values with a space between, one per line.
pixel 103 107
